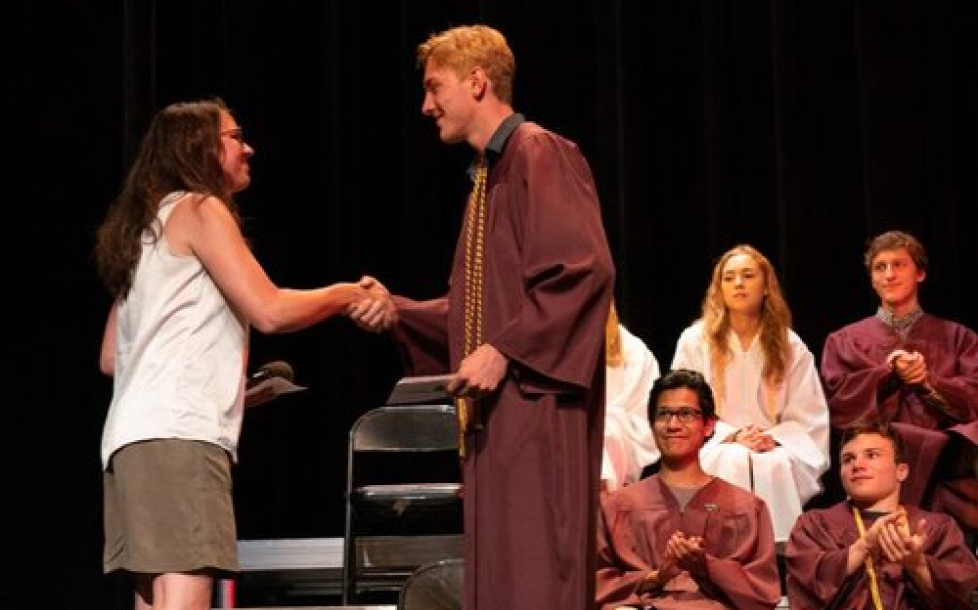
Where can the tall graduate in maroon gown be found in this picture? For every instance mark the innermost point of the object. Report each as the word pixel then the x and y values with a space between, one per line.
pixel 522 330
pixel 872 553
pixel 681 538
pixel 906 366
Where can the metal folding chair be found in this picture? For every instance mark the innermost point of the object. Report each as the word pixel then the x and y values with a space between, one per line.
pixel 403 501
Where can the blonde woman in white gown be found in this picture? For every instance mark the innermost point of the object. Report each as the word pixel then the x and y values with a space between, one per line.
pixel 772 436
pixel 631 371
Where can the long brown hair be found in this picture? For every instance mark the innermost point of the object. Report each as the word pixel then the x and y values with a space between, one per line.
pixel 181 151
pixel 775 323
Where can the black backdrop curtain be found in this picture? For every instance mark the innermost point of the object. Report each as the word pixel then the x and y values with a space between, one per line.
pixel 802 128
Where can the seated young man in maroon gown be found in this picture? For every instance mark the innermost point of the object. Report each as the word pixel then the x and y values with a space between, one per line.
pixel 681 538
pixel 872 552
pixel 919 371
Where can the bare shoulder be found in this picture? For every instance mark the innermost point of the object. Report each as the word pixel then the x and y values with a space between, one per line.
pixel 206 207
pixel 197 219
pixel 208 214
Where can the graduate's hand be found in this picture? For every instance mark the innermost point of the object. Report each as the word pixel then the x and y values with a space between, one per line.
pixel 893 356
pixel 745 436
pixel 755 438
pixel 872 535
pixel 656 578
pixel 762 442
pixel 868 545
pixel 905 547
pixel 901 545
pixel 479 373
pixel 686 552
pixel 377 313
pixel 911 367
pixel 652 582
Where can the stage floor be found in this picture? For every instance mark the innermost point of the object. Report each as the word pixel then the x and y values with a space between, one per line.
pixel 308 572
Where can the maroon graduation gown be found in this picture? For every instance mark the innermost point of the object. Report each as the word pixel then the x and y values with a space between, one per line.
pixel 636 522
pixel 818 549
pixel 859 385
pixel 531 474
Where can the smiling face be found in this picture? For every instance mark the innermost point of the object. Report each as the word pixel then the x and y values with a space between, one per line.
pixel 743 285
pixel 678 425
pixel 895 278
pixel 871 475
pixel 235 154
pixel 450 101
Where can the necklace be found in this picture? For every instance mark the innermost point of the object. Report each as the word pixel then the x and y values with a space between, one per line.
pixel 873 584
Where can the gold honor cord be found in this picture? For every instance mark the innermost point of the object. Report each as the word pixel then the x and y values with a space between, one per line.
pixel 873 585
pixel 474 241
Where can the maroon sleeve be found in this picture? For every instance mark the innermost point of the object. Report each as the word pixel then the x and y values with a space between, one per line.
pixel 857 384
pixel 616 582
pixel 421 335
pixel 816 557
pixel 567 271
pixel 953 368
pixel 953 566
pixel 748 575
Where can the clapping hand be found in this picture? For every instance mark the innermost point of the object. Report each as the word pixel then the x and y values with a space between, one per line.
pixel 899 544
pixel 686 553
pixel 682 553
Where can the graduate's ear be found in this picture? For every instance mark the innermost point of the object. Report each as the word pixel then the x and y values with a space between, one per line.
pixel 709 426
pixel 478 82
pixel 902 471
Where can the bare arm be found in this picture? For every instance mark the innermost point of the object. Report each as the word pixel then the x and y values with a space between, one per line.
pixel 205 228
pixel 377 315
pixel 107 353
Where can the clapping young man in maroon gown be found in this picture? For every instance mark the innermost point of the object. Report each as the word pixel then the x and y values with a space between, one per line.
pixel 871 551
pixel 914 369
pixel 681 538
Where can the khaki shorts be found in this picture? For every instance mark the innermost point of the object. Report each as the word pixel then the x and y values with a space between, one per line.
pixel 168 508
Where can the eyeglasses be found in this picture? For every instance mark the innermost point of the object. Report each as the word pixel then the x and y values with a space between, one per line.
pixel 236 134
pixel 684 415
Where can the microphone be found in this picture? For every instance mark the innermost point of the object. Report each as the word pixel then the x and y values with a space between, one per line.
pixel 276 368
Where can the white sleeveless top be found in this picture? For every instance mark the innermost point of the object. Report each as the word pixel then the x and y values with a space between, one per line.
pixel 180 354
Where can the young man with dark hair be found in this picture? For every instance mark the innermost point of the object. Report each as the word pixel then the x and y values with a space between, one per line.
pixel 682 538
pixel 871 551
pixel 914 369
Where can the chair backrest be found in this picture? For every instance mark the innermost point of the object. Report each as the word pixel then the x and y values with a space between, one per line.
pixel 435 586
pixel 403 482
pixel 406 428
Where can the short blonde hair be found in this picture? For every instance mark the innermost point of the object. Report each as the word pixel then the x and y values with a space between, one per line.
pixel 469 46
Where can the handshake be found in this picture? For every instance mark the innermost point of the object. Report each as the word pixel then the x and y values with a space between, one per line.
pixel 373 310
